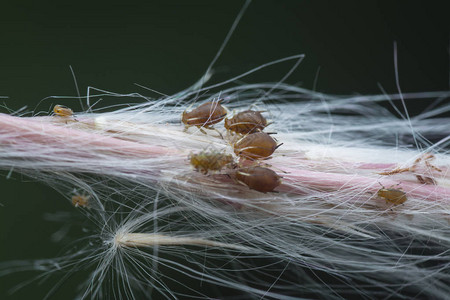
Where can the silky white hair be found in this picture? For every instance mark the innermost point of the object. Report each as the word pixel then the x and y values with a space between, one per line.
pixel 325 232
pixel 157 228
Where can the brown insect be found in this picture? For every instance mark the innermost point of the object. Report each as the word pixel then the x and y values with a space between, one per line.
pixel 80 200
pixel 394 196
pixel 210 161
pixel 205 115
pixel 245 122
pixel 62 111
pixel 258 145
pixel 258 178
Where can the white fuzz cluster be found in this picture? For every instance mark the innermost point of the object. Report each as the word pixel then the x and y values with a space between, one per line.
pixel 359 202
pixel 332 229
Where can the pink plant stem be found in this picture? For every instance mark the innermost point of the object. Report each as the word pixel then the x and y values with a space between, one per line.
pixel 16 130
pixel 35 131
pixel 298 178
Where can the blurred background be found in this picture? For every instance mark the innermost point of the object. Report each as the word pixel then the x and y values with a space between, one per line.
pixel 167 46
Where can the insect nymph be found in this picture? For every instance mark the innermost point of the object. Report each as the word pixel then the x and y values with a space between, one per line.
pixel 246 122
pixel 205 115
pixel 258 178
pixel 80 200
pixel 257 145
pixel 62 111
pixel 210 161
pixel 394 196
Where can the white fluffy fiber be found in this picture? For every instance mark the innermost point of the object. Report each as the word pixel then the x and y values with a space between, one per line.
pixel 325 233
pixel 155 228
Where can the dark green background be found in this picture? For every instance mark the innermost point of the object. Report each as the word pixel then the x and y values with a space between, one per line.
pixel 167 45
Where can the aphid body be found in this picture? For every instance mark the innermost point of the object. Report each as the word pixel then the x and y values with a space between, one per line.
pixel 210 161
pixel 80 200
pixel 205 115
pixel 393 196
pixel 245 122
pixel 258 145
pixel 62 111
pixel 258 178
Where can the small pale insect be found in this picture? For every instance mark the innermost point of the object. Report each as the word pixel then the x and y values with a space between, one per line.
pixel 258 145
pixel 210 161
pixel 394 196
pixel 205 115
pixel 80 200
pixel 62 111
pixel 245 122
pixel 258 178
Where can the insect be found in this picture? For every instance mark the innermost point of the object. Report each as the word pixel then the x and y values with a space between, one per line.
pixel 258 178
pixel 80 200
pixel 62 111
pixel 205 115
pixel 258 145
pixel 394 196
pixel 210 161
pixel 245 122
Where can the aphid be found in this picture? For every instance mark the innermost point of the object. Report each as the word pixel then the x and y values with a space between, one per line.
pixel 258 178
pixel 80 200
pixel 258 145
pixel 205 115
pixel 62 111
pixel 210 161
pixel 394 196
pixel 245 122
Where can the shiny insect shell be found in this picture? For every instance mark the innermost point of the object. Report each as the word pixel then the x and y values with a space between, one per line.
pixel 210 161
pixel 80 200
pixel 205 115
pixel 393 196
pixel 258 178
pixel 258 145
pixel 62 111
pixel 245 122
